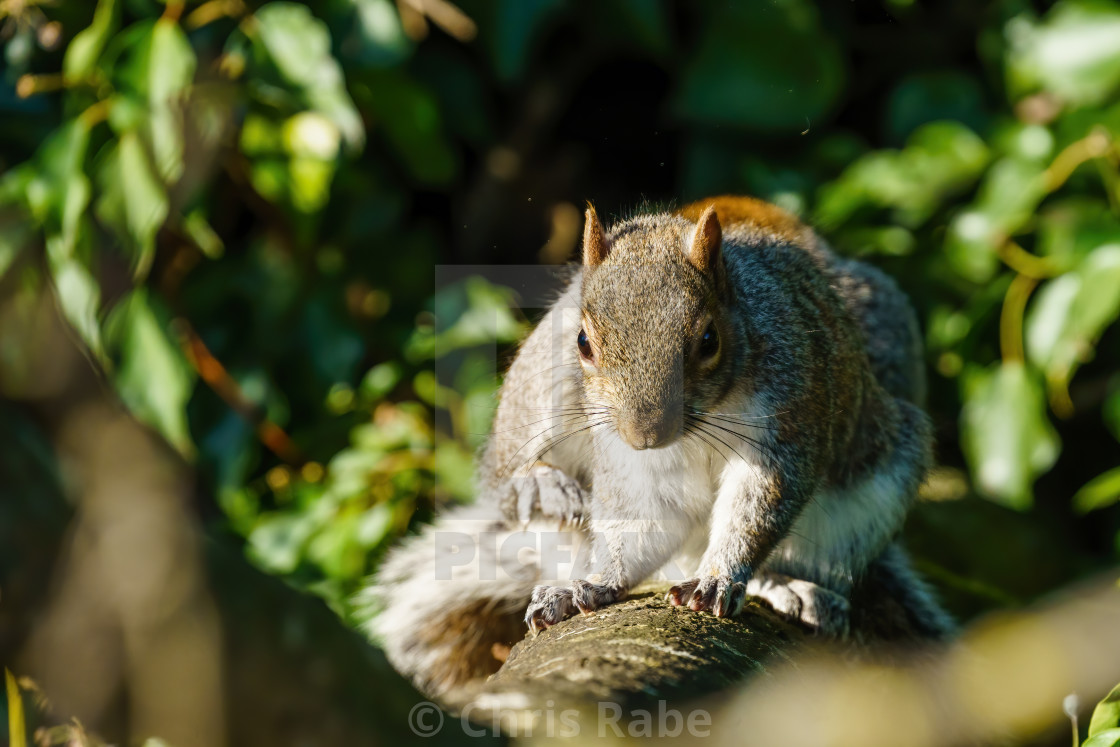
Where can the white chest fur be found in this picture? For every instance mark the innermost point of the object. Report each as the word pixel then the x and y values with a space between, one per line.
pixel 664 495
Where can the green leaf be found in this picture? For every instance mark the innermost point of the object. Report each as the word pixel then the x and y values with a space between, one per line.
pixel 79 297
pixel 153 376
pixel 1106 738
pixel 171 65
pixel 153 78
pixel 88 44
pixel 763 66
pixel 375 526
pixel 1071 312
pixel 1006 202
pixel 1073 53
pixel 299 46
pixel 939 159
pixel 1006 435
pixel 1107 714
pixel 454 468
pixel 1100 492
pixel 133 200
pixel 336 548
pixel 278 540
pixel 1070 228
pixel 59 191
pixel 381 39
pixel 478 313
pixel 17 724
pixel 380 380
pixel 203 234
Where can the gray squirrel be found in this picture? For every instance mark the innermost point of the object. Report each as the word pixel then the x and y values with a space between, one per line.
pixel 716 399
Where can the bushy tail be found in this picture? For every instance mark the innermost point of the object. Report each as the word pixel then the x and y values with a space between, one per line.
pixel 893 604
pixel 448 603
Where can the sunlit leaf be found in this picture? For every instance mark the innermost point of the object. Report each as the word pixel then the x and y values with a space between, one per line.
pixel 157 67
pixel 1106 738
pixel 299 45
pixel 1070 228
pixel 278 541
pixel 454 468
pixel 1107 713
pixel 17 724
pixel 1100 492
pixel 336 549
pixel 1027 142
pixel 939 159
pixel 87 45
pixel 1072 53
pixel 171 65
pixel 133 200
pixel 59 191
pixel 309 182
pixel 311 135
pixel 1071 312
pixel 380 380
pixel 1007 199
pixel 153 376
pixel 378 38
pixel 1006 435
pixel 145 202
pixel 374 525
pixel 203 234
pixel 79 297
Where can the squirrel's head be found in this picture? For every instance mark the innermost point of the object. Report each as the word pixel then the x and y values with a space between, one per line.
pixel 656 340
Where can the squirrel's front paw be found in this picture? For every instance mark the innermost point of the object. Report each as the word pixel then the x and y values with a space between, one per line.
pixel 551 604
pixel 548 606
pixel 551 492
pixel 718 594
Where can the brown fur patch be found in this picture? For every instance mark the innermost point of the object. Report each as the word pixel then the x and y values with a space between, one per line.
pixel 471 639
pixel 735 210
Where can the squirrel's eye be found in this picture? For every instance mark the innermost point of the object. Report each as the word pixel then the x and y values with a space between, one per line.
pixel 584 346
pixel 709 342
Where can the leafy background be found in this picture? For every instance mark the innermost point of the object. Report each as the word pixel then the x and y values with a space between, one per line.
pixel 239 208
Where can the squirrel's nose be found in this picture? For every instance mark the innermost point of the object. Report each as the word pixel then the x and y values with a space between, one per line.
pixel 645 435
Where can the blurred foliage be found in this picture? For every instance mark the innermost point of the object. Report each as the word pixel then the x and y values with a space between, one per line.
pixel 239 206
pixel 1104 727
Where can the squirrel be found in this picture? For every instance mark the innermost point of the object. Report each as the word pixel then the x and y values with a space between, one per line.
pixel 716 396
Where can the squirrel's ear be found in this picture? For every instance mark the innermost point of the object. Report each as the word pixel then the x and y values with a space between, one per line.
pixel 595 244
pixel 706 242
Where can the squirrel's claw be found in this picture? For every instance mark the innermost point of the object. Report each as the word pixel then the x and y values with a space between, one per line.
pixel 679 594
pixel 717 594
pixel 548 606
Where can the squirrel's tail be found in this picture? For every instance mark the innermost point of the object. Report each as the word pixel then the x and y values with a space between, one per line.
pixel 448 603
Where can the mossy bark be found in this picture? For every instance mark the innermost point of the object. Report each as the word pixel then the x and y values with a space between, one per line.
pixel 634 654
